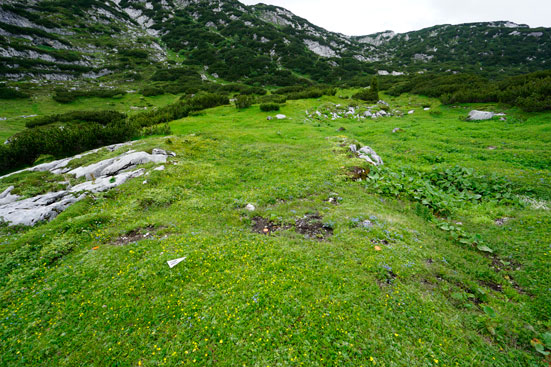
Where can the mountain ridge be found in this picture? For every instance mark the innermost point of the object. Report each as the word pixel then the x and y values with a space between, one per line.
pixel 240 42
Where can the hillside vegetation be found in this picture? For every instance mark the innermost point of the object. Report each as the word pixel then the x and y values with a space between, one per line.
pixel 437 258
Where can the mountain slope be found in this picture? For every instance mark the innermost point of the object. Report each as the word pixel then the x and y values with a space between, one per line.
pixel 260 43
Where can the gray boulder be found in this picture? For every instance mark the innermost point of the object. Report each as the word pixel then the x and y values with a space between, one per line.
pixel 480 115
pixel 367 154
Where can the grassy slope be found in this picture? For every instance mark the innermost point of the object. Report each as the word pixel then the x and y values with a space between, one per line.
pixel 242 298
pixel 45 105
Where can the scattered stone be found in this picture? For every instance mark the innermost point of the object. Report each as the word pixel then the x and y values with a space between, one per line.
pixel 269 118
pixel 158 151
pixel 480 115
pixel 367 224
pixel 281 117
pixel 367 154
pixel 250 207
pixel 426 108
pixel 502 221
pixel 397 130
pixel 411 112
pixel 160 168
pixel 491 147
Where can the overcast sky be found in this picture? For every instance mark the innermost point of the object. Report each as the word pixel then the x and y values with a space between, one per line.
pixel 360 17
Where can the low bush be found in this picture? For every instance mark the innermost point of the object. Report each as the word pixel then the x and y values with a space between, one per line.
pixel 68 96
pixel 162 129
pixel 102 117
pixel 267 107
pixel 61 141
pixel 242 102
pixel 273 98
pixel 312 93
pixel 10 93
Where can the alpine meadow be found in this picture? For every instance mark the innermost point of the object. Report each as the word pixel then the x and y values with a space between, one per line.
pixel 209 183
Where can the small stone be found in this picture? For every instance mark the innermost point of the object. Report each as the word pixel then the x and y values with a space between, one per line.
pixel 411 112
pixel 367 224
pixel 281 117
pixel 269 118
pixel 250 207
pixel 160 168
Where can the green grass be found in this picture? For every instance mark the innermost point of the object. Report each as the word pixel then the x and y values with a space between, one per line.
pixel 42 105
pixel 246 299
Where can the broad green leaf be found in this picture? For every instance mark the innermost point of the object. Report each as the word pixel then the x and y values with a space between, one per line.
pixel 484 248
pixel 489 311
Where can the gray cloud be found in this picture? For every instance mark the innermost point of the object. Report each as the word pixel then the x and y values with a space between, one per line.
pixel 360 17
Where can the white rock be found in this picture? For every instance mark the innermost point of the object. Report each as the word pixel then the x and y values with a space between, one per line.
pixel 480 115
pixel 250 207
pixel 6 197
pixel 160 168
pixel 30 211
pixel 106 183
pixel 367 154
pixel 411 112
pixel 281 117
pixel 130 161
pixel 427 108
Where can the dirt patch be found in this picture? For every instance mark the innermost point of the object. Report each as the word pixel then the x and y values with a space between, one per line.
pixel 357 173
pixel 265 226
pixel 136 235
pixel 311 226
pixel 380 242
pixel 489 284
pixel 502 265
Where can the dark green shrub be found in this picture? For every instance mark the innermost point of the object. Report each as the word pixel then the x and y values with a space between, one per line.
pixel 370 94
pixel 102 117
pixel 162 129
pixel 68 96
pixel 273 98
pixel 242 102
pixel 267 107
pixel 61 141
pixel 10 93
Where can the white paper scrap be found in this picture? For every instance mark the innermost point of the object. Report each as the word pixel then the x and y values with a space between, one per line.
pixel 173 263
